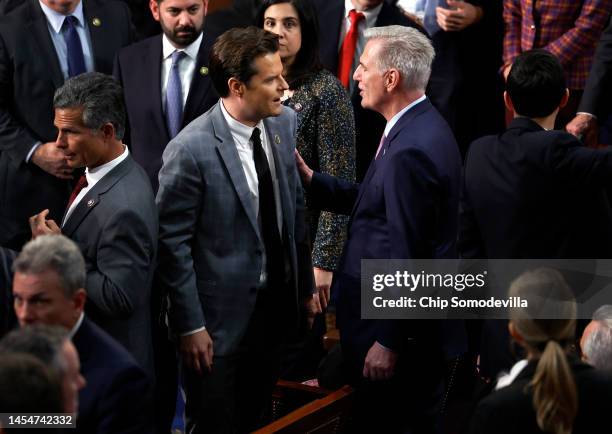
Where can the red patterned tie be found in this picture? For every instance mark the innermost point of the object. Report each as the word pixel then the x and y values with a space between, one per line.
pixel 81 184
pixel 347 52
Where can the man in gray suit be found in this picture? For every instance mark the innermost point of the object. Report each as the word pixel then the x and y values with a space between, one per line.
pixel 233 250
pixel 111 214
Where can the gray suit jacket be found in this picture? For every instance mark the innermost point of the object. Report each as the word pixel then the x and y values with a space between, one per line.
pixel 115 226
pixel 211 249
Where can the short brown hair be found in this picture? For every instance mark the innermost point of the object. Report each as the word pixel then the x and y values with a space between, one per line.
pixel 234 53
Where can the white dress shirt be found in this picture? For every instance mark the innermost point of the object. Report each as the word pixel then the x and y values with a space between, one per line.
pixel 371 15
pixel 186 68
pixel 242 138
pixel 76 327
pixel 93 176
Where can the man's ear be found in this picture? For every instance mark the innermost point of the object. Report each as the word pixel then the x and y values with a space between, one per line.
pixel 108 130
pixel 79 299
pixel 236 87
pixel 154 6
pixel 393 79
pixel 508 102
pixel 565 98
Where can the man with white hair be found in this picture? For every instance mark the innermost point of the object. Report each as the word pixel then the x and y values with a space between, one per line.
pixel 406 207
pixel 596 341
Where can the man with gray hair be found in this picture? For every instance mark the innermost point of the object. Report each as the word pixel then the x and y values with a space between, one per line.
pixel 111 213
pixel 48 289
pixel 596 341
pixel 406 207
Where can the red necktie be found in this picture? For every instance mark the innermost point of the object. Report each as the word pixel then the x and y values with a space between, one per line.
pixel 81 184
pixel 347 52
pixel 380 145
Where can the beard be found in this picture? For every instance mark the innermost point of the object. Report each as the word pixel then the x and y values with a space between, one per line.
pixel 182 36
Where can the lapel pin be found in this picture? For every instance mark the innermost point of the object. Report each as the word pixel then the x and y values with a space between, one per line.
pixel 298 107
pixel 277 139
pixel 90 203
pixel 203 70
pixel 96 22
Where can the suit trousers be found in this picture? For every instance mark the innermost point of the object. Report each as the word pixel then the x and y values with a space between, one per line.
pixel 235 396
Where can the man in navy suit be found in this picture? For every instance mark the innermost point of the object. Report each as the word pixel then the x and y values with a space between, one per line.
pixel 145 70
pixel 48 288
pixel 333 27
pixel 406 207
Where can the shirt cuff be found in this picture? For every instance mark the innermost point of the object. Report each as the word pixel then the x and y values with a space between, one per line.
pixel 193 332
pixel 587 113
pixel 34 148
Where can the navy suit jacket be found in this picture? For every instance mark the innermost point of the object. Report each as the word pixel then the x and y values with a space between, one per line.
pixel 117 396
pixel 138 68
pixel 29 75
pixel 369 125
pixel 115 226
pixel 405 208
pixel 542 187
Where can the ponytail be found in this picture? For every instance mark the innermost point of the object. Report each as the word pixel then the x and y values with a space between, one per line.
pixel 555 397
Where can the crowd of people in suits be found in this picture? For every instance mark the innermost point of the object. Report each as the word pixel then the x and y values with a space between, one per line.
pixel 183 196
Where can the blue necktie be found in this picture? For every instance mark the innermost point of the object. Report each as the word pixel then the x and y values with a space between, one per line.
pixel 76 61
pixel 174 96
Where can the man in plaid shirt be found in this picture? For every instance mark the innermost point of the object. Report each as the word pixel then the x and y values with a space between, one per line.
pixel 569 29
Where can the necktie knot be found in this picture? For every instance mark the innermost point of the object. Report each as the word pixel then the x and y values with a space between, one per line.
pixel 355 17
pixel 177 56
pixel 71 21
pixel 256 136
pixel 80 185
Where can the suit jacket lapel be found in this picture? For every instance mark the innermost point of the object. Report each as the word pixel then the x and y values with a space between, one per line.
pixel 283 186
pixel 200 83
pixel 39 28
pixel 399 125
pixel 100 48
pixel 229 154
pixel 94 196
pixel 151 64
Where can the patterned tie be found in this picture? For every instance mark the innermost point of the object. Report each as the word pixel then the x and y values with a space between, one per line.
pixel 74 49
pixel 267 212
pixel 80 185
pixel 347 52
pixel 174 96
pixel 383 139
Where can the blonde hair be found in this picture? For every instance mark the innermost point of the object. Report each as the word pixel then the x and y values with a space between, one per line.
pixel 547 326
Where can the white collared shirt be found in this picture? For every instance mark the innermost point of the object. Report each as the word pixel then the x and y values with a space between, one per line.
pixel 371 15
pixel 506 379
pixel 242 138
pixel 55 21
pixel 93 176
pixel 76 327
pixel 399 114
pixel 186 68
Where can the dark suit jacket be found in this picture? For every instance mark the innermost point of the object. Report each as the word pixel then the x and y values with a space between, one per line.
pixel 116 398
pixel 510 410
pixel 7 314
pixel 29 75
pixel 531 193
pixel 405 208
pixel 369 125
pixel 115 226
pixel 211 249
pixel 138 68
pixel 596 97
